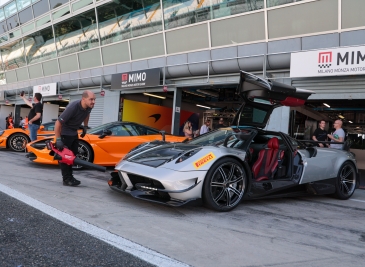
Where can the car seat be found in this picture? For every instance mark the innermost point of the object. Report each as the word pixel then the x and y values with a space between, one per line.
pixel 268 160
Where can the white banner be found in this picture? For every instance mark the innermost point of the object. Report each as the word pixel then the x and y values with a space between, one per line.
pixel 45 89
pixel 328 62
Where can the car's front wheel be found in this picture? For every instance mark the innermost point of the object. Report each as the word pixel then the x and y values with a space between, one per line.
pixel 85 152
pixel 224 185
pixel 345 181
pixel 17 142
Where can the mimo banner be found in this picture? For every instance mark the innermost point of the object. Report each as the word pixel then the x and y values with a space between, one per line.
pixel 328 62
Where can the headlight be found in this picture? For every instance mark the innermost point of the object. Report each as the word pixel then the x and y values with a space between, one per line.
pixel 1 133
pixel 187 155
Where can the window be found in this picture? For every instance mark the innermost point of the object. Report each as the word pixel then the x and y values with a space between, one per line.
pixel 120 130
pixel 76 34
pixel 2 15
pixel 12 22
pixel 127 19
pixel 25 15
pixel 13 55
pixel 181 12
pixel 39 46
pixel 22 4
pixel 57 3
pixel 40 8
pixel 3 27
pixel 271 3
pixel 10 9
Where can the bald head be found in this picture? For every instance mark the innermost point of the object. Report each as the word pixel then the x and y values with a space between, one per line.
pixel 337 124
pixel 88 99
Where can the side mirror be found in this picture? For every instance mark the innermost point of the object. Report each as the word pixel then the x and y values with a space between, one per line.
pixel 163 133
pixel 105 133
pixel 41 128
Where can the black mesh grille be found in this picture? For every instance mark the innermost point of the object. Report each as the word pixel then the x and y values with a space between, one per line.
pixel 137 179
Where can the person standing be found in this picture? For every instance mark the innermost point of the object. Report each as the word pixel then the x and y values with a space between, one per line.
pixel 320 134
pixel 66 134
pixel 337 136
pixel 220 123
pixel 35 114
pixel 188 130
pixel 205 127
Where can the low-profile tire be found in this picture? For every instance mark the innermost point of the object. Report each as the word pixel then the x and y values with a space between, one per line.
pixel 18 142
pixel 345 181
pixel 85 152
pixel 224 185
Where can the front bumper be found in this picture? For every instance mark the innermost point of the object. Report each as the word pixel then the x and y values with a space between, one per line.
pixel 153 190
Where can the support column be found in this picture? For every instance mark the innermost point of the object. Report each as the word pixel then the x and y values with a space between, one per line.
pixel 176 109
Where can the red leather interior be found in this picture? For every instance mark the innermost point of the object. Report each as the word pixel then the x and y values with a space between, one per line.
pixel 267 160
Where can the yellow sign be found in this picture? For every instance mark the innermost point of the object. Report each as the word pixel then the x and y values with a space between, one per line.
pixel 204 160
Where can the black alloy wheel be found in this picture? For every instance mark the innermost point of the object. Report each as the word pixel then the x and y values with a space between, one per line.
pixel 18 142
pixel 85 153
pixel 224 185
pixel 345 181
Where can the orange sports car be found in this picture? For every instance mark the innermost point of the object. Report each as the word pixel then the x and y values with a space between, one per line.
pixel 16 139
pixel 103 145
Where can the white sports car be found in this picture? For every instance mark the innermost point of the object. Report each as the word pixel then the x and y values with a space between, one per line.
pixel 239 162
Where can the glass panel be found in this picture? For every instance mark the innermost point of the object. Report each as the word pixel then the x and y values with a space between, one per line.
pixel 25 15
pixel 68 63
pixel 3 27
pixel 89 59
pixel 80 4
pixel 155 47
pixel 115 53
pixel 120 21
pixel 185 12
pixel 22 4
pixel 57 3
pixel 12 22
pixel 271 3
pixel 50 67
pixel 10 76
pixel 76 34
pixel 352 14
pixel 43 20
pixel 34 1
pixel 13 55
pixel 39 46
pixel 22 74
pixel 2 78
pixel 15 34
pixel 10 9
pixel 35 71
pixel 4 38
pixel 61 12
pixel 2 15
pixel 40 8
pixel 28 28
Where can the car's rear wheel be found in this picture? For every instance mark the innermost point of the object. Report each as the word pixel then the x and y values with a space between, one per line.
pixel 345 181
pixel 18 142
pixel 85 152
pixel 224 185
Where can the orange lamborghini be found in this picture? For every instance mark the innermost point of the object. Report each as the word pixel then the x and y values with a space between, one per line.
pixel 16 139
pixel 103 145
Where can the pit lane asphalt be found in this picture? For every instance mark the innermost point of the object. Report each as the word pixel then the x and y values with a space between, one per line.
pixel 28 237
pixel 310 231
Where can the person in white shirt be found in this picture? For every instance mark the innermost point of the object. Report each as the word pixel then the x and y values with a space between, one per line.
pixel 205 127
pixel 337 136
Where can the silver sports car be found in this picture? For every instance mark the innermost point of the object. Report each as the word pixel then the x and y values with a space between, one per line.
pixel 243 161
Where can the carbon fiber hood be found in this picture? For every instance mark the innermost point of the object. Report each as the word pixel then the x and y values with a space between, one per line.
pixel 155 154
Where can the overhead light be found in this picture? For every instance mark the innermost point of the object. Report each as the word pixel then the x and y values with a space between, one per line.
pixel 350 122
pixel 202 106
pixel 62 107
pixel 162 97
pixel 326 105
pixel 340 116
pixel 193 93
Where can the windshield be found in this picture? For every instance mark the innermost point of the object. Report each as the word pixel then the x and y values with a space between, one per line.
pixel 237 138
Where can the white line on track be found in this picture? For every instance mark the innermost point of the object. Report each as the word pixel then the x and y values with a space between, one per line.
pixel 135 249
pixel 357 200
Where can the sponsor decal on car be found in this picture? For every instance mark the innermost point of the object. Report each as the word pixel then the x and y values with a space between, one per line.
pixel 203 160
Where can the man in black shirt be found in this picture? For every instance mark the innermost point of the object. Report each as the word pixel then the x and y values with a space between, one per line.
pixel 320 134
pixel 66 127
pixel 35 114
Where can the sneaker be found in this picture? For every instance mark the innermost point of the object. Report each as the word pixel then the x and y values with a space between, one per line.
pixel 71 182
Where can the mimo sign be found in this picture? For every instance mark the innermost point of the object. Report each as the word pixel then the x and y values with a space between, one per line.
pixel 328 62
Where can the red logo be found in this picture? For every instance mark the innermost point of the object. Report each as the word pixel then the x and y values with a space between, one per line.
pixel 124 77
pixel 324 59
